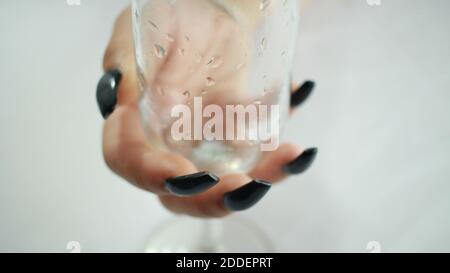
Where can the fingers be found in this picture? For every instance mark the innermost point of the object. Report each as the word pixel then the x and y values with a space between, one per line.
pixel 125 146
pixel 270 167
pixel 107 90
pixel 288 159
pixel 302 162
pixel 193 184
pixel 301 94
pixel 235 192
pixel 120 58
pixel 127 153
pixel 182 188
pixel 120 50
pixel 119 84
pixel 246 196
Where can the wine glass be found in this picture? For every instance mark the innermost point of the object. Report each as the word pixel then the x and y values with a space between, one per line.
pixel 215 87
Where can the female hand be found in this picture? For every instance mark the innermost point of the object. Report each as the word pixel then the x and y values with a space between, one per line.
pixel 178 184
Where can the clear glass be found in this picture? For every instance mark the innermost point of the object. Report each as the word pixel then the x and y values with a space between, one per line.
pixel 220 53
pixel 235 234
pixel 226 52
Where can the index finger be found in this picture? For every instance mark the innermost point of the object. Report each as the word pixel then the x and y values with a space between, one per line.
pixel 128 153
pixel 125 146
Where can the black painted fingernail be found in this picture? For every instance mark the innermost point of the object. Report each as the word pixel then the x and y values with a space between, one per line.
pixel 302 162
pixel 302 93
pixel 107 92
pixel 246 196
pixel 191 184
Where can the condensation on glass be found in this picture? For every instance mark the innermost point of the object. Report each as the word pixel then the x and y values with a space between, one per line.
pixel 228 52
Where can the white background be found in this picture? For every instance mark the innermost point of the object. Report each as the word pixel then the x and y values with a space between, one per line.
pixel 380 116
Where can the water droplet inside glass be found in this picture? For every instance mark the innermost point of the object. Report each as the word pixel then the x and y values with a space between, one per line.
pixel 204 92
pixel 155 26
pixel 160 90
pixel 181 51
pixel 267 91
pixel 170 38
pixel 240 65
pixel 187 38
pixel 264 4
pixel 214 62
pixel 257 102
pixel 263 44
pixel 187 94
pixel 210 81
pixel 160 52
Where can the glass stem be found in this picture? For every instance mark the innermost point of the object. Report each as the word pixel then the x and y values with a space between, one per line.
pixel 211 238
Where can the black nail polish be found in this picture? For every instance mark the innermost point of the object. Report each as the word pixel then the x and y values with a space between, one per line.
pixel 191 184
pixel 246 196
pixel 107 89
pixel 302 93
pixel 302 162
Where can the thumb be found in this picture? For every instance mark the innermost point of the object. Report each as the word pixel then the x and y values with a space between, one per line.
pixel 120 57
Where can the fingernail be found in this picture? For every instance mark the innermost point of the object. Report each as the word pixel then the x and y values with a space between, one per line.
pixel 246 196
pixel 302 162
pixel 107 92
pixel 302 93
pixel 192 184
